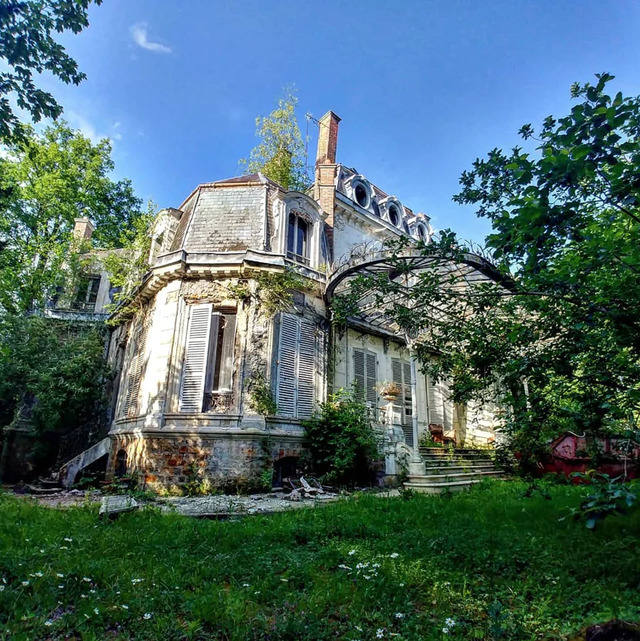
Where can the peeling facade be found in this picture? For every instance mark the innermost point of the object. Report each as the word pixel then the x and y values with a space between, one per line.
pixel 201 342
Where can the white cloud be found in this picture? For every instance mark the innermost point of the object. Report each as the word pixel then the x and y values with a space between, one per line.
pixel 139 33
pixel 86 128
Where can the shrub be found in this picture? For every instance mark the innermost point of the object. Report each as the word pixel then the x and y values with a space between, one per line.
pixel 341 440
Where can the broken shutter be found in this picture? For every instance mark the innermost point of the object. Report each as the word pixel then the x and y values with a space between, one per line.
pixel 195 359
pixel 287 365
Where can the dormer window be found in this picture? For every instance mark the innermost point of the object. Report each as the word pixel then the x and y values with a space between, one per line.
pixel 298 239
pixel 394 215
pixel 422 233
pixel 359 190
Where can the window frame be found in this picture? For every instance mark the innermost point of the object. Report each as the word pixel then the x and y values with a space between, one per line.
pixel 305 257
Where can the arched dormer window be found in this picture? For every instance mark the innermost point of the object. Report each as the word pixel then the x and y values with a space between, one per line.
pixel 298 237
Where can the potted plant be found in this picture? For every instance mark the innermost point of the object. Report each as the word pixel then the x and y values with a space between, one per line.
pixel 389 391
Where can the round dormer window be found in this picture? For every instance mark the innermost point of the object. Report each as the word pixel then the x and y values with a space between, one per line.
pixel 361 194
pixel 394 215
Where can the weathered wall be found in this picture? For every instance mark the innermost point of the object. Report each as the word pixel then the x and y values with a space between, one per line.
pixel 225 460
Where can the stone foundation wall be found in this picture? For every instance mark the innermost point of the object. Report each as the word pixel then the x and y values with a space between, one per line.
pixel 226 461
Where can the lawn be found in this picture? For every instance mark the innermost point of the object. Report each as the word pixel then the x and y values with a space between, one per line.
pixel 487 564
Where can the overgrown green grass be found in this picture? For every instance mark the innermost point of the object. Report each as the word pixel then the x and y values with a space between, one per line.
pixel 493 563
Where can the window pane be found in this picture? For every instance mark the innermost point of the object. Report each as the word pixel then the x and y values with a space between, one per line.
pixel 291 236
pixel 301 246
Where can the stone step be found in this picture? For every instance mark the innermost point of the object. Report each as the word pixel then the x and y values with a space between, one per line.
pixel 461 451
pixel 456 476
pixel 428 460
pixel 453 469
pixel 438 488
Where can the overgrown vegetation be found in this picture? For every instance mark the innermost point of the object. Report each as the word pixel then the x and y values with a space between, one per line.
pixel 275 290
pixel 555 338
pixel 53 378
pixel 341 440
pixel 262 400
pixel 487 564
pixel 280 155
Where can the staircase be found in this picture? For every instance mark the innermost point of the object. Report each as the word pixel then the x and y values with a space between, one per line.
pixel 70 469
pixel 452 470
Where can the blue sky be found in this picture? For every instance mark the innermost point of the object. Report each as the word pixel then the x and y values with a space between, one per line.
pixel 423 87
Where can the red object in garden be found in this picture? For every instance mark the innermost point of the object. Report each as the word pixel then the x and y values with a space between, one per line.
pixel 572 453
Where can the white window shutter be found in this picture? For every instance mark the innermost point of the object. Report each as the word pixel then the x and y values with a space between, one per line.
pixel 306 370
pixel 436 402
pixel 135 370
pixel 359 376
pixel 287 365
pixel 195 359
pixel 371 395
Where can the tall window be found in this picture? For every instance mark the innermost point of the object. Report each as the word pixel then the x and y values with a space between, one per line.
pixel 401 372
pixel 300 347
pixel 298 239
pixel 135 373
pixel 87 294
pixel 365 377
pixel 208 363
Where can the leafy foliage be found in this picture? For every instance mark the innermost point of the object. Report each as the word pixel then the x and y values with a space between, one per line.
pixel 262 400
pixel 53 374
pixel 555 337
pixel 275 290
pixel 606 496
pixel 27 45
pixel 46 181
pixel 341 440
pixel 280 155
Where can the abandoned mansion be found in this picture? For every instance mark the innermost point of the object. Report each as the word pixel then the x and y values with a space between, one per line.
pixel 202 346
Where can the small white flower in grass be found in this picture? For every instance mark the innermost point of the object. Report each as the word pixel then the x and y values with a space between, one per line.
pixel 134 581
pixel 61 587
pixel 41 551
pixel 147 615
pixel 342 566
pixel 401 585
pixel 25 583
pixel 92 591
pixel 125 607
pixel 60 576
pixel 96 611
pixel 379 633
pixel 449 622
pixel 48 622
pixel 394 555
pixel 68 539
pixel 246 585
pixel 64 547
pixel 366 576
pixel 352 552
pixel 399 615
pixel 86 579
pixel 445 630
pixel 83 596
pixel 1 588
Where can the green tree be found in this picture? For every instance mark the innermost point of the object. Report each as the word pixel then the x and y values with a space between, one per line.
pixel 54 376
pixel 557 340
pixel 46 181
pixel 27 45
pixel 280 155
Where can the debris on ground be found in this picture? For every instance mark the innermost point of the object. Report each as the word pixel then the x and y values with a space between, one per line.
pixel 112 506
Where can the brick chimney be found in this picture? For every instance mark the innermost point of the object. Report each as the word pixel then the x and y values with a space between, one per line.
pixel 326 168
pixel 82 229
